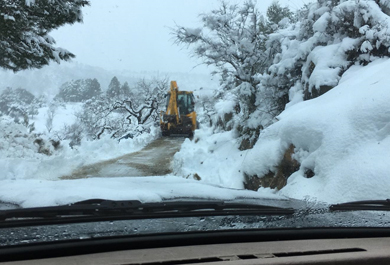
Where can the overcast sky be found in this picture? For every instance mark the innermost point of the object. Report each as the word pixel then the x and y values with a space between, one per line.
pixel 135 34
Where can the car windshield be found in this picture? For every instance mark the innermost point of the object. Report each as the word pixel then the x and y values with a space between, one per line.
pixel 272 103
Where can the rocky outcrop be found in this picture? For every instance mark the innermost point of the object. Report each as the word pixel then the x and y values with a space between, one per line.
pixel 46 147
pixel 287 166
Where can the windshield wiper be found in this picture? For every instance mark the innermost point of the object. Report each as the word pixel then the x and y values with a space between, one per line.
pixel 371 205
pixel 100 210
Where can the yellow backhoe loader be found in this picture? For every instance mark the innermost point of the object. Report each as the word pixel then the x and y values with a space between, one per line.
pixel 180 116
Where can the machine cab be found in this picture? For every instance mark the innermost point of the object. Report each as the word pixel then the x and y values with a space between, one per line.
pixel 185 102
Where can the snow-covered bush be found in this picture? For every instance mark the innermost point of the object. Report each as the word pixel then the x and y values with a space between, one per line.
pixel 330 36
pixel 16 141
pixel 20 105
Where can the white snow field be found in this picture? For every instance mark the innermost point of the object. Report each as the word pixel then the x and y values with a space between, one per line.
pixel 342 136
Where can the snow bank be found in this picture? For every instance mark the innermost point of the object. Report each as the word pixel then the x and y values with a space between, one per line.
pixel 35 193
pixel 215 158
pixel 342 136
pixel 19 157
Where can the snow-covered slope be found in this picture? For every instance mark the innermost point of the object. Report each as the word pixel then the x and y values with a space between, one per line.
pixel 343 136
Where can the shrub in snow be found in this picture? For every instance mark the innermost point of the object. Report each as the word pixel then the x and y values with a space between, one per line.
pixel 16 141
pixel 73 133
pixel 20 105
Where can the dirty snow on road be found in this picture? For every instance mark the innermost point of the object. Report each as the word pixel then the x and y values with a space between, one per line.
pixel 153 160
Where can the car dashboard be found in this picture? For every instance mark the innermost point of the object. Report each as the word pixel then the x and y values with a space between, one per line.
pixel 347 247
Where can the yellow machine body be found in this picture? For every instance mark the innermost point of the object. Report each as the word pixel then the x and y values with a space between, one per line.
pixel 180 116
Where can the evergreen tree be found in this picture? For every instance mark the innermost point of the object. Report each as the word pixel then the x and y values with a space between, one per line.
pixel 24 27
pixel 91 89
pixel 275 13
pixel 125 89
pixel 114 88
pixel 79 90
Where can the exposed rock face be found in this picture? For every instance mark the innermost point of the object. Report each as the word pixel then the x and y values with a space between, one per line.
pixel 316 92
pixel 225 122
pixel 196 177
pixel 249 137
pixel 278 180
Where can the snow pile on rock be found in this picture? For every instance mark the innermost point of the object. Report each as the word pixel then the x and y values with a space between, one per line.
pixel 342 136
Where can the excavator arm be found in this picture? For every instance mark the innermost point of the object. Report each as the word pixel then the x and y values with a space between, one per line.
pixel 172 108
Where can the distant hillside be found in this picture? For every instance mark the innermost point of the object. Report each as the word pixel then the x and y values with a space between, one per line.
pixel 48 79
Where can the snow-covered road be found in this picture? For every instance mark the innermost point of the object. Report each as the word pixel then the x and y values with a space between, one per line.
pixel 142 175
pixel 153 160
